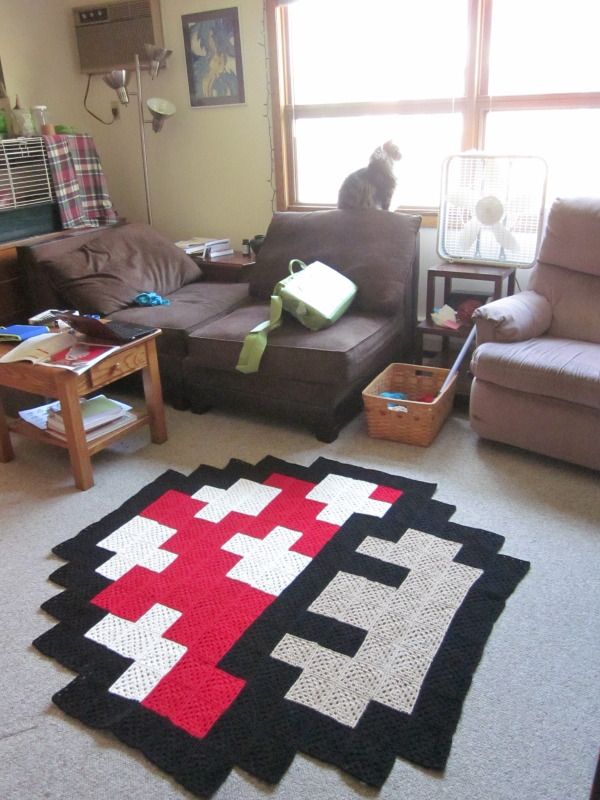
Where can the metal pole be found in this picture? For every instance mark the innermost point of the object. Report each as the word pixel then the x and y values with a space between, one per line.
pixel 138 78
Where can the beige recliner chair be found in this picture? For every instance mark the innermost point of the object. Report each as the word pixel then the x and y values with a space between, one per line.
pixel 536 365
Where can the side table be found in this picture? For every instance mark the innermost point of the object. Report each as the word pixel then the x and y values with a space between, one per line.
pixel 68 386
pixel 502 280
pixel 233 268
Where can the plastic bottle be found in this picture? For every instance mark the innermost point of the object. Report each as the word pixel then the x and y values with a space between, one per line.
pixel 246 247
pixel 40 118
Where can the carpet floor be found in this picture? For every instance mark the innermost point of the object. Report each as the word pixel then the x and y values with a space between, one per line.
pixel 529 722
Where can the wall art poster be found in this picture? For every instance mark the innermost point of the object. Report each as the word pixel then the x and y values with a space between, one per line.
pixel 214 57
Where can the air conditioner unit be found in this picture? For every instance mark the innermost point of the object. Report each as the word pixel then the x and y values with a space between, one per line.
pixel 109 35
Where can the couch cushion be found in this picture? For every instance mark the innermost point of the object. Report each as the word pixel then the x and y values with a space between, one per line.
pixel 106 272
pixel 338 354
pixel 560 368
pixel 374 248
pixel 191 307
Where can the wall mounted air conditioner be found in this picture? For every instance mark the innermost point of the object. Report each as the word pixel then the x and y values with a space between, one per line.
pixel 110 34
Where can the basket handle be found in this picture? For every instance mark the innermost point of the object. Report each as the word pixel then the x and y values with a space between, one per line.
pixel 402 409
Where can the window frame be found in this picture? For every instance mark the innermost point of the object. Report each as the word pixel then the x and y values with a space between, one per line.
pixel 474 105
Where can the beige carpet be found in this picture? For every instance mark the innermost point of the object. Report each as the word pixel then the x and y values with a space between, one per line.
pixel 529 728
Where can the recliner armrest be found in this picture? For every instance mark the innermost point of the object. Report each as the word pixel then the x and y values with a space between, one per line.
pixel 512 319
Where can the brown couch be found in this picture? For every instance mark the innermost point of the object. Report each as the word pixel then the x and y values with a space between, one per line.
pixel 313 378
pixel 537 360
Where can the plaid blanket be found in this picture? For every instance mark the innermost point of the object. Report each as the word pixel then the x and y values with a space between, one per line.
pixel 79 182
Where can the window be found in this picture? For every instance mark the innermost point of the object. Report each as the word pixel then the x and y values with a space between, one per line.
pixel 510 76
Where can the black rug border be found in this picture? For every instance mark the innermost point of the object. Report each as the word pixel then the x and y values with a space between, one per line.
pixel 202 765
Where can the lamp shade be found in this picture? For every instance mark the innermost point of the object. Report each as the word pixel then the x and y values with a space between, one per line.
pixel 160 109
pixel 117 80
pixel 157 56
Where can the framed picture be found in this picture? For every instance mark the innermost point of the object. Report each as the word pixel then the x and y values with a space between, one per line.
pixel 214 57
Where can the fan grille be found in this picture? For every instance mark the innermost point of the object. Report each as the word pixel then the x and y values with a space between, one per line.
pixel 491 209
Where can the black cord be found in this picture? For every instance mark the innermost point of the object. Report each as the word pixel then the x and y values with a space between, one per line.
pixel 95 116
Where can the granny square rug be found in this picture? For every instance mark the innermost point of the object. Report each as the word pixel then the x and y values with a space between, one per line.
pixel 237 616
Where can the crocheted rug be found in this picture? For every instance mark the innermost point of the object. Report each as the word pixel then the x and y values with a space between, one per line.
pixel 235 617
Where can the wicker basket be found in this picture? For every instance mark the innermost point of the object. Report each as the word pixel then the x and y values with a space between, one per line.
pixel 408 421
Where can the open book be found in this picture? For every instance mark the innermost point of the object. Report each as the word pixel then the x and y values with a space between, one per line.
pixel 65 350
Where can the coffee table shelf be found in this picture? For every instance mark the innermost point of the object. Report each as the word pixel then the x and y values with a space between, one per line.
pixel 24 428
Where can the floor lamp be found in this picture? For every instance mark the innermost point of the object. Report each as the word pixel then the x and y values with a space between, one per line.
pixel 159 109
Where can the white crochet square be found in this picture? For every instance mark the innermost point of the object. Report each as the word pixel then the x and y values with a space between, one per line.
pixel 309 690
pixel 294 650
pixel 328 664
pixel 362 678
pixel 376 650
pixel 346 496
pixel 267 564
pixel 244 497
pixel 399 692
pixel 137 543
pixel 352 599
pixel 143 642
pixel 343 705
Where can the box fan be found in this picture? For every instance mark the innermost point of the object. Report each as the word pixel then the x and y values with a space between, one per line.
pixel 491 209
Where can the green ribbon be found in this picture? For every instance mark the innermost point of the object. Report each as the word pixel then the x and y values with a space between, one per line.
pixel 255 342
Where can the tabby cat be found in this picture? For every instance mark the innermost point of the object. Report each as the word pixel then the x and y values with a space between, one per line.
pixel 372 186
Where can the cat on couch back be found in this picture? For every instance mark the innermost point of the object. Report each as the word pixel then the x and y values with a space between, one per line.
pixel 372 186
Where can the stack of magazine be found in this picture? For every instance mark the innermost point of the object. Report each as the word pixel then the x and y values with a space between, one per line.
pixel 100 415
pixel 205 247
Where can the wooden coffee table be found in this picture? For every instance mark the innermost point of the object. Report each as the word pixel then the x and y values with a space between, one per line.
pixel 68 386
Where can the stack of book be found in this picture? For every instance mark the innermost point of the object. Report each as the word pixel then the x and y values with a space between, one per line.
pixel 100 415
pixel 205 247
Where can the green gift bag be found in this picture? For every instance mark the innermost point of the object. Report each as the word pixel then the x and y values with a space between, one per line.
pixel 316 295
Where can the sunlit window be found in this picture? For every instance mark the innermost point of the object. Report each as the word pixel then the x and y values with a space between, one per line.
pixel 326 152
pixel 346 51
pixel 574 167
pixel 540 47
pixel 504 76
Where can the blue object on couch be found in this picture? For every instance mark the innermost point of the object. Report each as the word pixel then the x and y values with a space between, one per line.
pixel 150 299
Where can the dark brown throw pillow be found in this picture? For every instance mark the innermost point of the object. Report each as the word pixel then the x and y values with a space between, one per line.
pixel 110 270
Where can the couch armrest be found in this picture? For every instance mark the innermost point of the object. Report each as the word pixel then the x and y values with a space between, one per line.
pixel 512 319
